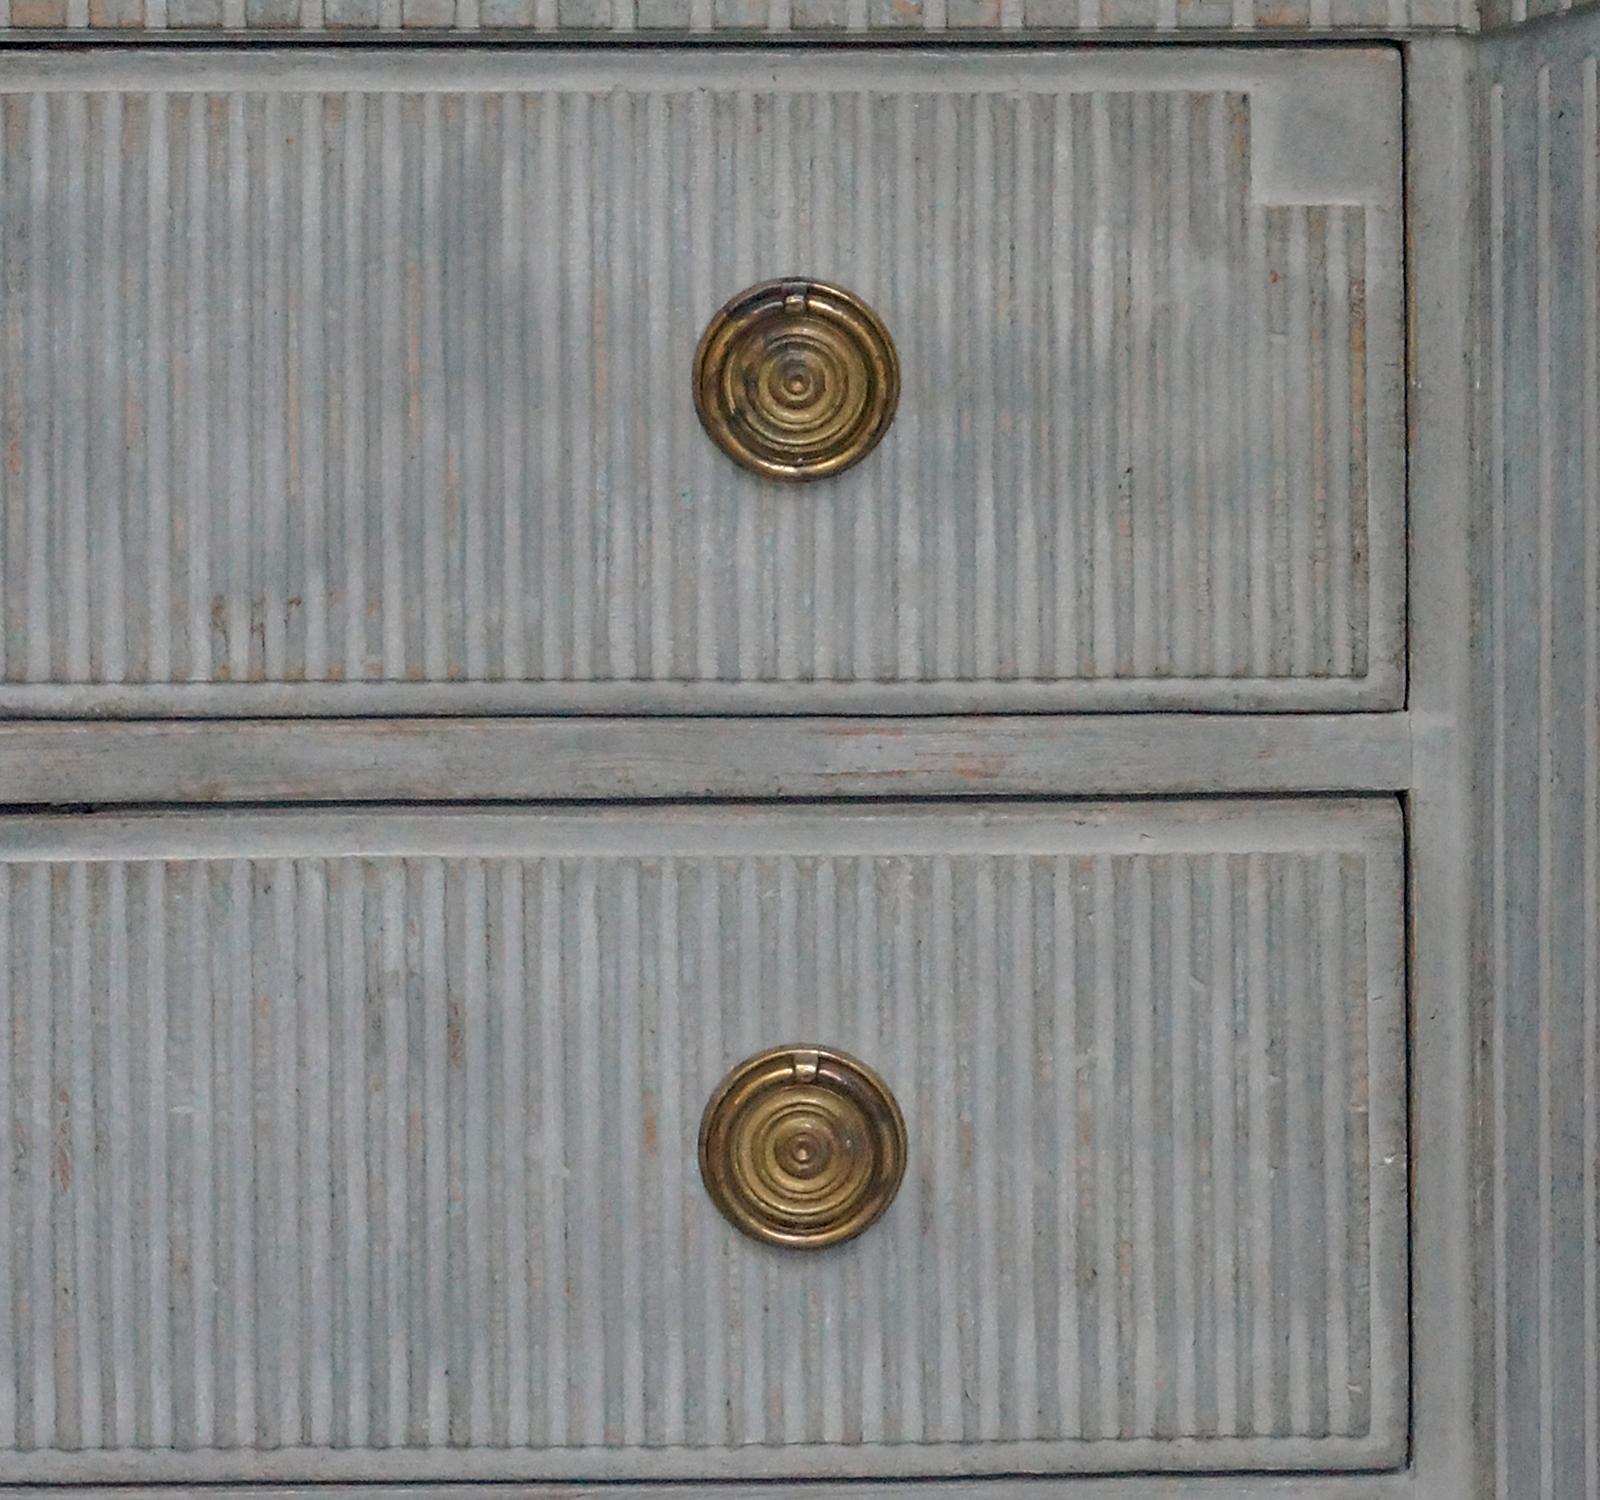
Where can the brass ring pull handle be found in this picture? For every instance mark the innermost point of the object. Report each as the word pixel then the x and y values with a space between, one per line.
pixel 796 379
pixel 802 1146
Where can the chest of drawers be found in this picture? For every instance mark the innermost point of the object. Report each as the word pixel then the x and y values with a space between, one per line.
pixel 1130 810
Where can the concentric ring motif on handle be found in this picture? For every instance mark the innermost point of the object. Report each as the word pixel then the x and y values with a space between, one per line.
pixel 796 379
pixel 802 1146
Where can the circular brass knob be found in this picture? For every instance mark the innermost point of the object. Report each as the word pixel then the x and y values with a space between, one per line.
pixel 796 379
pixel 802 1146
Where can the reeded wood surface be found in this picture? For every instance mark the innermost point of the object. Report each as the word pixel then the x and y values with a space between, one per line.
pixel 360 382
pixel 743 20
pixel 1539 744
pixel 362 1145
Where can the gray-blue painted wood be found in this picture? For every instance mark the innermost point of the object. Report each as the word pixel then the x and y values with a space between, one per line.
pixel 362 1145
pixel 369 385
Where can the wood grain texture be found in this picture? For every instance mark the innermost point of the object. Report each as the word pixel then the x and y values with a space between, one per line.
pixel 359 1146
pixel 1540 830
pixel 367 382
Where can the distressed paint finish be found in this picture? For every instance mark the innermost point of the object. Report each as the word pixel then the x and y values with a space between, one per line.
pixel 361 1146
pixel 368 382
pixel 1540 618
pixel 745 20
pixel 581 757
pixel 1500 14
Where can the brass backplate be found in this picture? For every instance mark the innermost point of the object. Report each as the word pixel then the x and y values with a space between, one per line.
pixel 796 379
pixel 802 1146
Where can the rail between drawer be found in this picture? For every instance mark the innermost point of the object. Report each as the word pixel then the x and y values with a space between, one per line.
pixel 55 763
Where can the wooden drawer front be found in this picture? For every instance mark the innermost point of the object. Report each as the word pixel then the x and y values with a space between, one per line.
pixel 360 381
pixel 363 1145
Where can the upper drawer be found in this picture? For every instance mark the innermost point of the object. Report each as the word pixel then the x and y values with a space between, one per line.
pixel 363 1145
pixel 361 381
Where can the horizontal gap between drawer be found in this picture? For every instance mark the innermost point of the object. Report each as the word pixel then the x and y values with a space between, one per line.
pixel 1391 1486
pixel 263 38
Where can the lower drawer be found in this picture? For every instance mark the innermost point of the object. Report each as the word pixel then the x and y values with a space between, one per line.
pixel 363 1145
